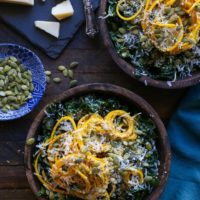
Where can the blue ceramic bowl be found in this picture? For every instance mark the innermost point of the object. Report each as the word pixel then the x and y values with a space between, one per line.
pixel 32 63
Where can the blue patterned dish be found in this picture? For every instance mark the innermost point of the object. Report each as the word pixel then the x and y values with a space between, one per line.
pixel 32 63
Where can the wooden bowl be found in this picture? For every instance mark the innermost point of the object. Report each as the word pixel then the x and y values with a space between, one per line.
pixel 126 96
pixel 129 68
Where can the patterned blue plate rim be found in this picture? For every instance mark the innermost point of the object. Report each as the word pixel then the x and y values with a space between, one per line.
pixel 34 64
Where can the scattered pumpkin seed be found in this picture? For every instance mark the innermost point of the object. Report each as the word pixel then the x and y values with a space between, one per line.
pixel 70 73
pixel 65 72
pixel 48 73
pixel 73 83
pixel 61 68
pixel 73 64
pixel 57 80
pixel 47 79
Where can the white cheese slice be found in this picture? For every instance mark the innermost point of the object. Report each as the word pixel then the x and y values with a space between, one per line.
pixel 23 2
pixel 53 28
pixel 62 10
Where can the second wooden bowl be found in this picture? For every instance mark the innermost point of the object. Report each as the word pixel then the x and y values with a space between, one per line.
pixel 129 68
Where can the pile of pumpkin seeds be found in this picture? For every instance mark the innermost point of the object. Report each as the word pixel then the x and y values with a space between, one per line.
pixel 15 84
pixel 67 73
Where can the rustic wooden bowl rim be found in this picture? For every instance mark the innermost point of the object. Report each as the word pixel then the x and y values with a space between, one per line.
pixel 129 68
pixel 113 91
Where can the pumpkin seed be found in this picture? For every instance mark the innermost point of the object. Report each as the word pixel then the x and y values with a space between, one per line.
pixel 120 40
pixel 11 98
pixel 12 64
pixel 2 94
pixel 190 41
pixel 73 64
pixel 173 18
pixel 73 83
pixel 65 72
pixel 8 93
pixel 61 68
pixel 166 10
pixel 57 80
pixel 135 31
pixel 26 93
pixel 15 106
pixel 148 145
pixel 7 68
pixel 15 84
pixel 124 54
pixel 148 178
pixel 47 79
pixel 4 101
pixel 70 73
pixel 198 8
pixel 31 87
pixel 48 73
pixel 7 107
pixel 51 195
pixel 12 58
pixel 30 141
pixel 1 83
pixel 181 12
pixel 126 156
pixel 122 30
pixel 24 87
pixel 143 38
pixel 4 110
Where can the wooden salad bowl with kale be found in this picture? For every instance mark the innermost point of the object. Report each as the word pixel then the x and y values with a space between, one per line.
pixel 155 42
pixel 97 141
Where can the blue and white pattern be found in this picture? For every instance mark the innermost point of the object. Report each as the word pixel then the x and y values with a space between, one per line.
pixel 32 63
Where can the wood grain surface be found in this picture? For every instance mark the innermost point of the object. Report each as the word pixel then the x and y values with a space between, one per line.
pixel 96 65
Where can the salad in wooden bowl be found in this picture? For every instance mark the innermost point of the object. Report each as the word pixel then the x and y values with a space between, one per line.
pixel 156 42
pixel 97 141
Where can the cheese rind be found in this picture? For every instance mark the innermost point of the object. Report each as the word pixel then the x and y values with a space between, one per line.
pixel 62 10
pixel 53 28
pixel 23 2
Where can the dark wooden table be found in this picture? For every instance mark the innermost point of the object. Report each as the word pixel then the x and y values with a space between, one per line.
pixel 96 65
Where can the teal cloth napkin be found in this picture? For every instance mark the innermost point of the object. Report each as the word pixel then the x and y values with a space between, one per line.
pixel 184 135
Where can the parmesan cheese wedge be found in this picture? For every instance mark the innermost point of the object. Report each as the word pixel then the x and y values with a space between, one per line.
pixel 62 10
pixel 53 28
pixel 23 2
